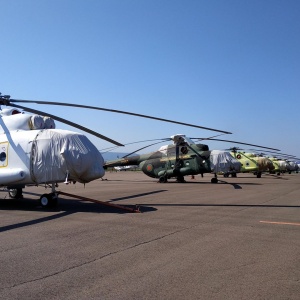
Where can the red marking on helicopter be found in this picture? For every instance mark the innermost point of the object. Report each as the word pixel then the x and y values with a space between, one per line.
pixel 149 168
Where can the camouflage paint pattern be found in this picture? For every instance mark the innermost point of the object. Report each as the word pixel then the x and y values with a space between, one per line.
pixel 191 160
pixel 252 163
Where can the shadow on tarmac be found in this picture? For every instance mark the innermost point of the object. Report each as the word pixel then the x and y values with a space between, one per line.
pixel 68 205
pixel 65 207
pixel 33 222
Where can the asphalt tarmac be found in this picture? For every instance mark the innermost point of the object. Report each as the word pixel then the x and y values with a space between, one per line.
pixel 238 239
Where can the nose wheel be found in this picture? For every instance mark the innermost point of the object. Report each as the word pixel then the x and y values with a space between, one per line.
pixel 15 193
pixel 48 200
pixel 163 179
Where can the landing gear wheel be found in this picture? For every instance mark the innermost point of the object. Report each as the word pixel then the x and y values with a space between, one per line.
pixel 48 200
pixel 180 179
pixel 214 180
pixel 15 193
pixel 258 175
pixel 162 179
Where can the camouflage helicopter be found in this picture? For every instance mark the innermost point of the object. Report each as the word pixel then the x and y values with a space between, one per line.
pixel 257 163
pixel 252 162
pixel 183 157
pixel 283 163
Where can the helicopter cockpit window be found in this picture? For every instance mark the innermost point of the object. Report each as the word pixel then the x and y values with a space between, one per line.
pixel 184 150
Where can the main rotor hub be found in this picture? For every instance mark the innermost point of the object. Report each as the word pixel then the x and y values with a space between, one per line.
pixel 4 99
pixel 178 138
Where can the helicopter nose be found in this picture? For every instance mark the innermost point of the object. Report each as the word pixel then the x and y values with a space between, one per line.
pixel 61 155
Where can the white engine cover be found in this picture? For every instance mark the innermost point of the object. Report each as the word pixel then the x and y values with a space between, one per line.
pixel 222 161
pixel 48 156
pixel 56 153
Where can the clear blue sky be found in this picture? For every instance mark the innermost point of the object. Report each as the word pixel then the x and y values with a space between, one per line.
pixel 232 65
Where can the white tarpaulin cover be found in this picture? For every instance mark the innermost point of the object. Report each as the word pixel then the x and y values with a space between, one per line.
pixel 222 161
pixel 56 153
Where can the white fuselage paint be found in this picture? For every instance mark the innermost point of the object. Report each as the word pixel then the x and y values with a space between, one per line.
pixel 45 155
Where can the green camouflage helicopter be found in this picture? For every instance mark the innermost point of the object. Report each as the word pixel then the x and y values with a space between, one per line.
pixel 283 163
pixel 257 162
pixel 253 163
pixel 183 157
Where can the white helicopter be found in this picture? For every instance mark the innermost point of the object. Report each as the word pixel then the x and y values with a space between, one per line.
pixel 33 151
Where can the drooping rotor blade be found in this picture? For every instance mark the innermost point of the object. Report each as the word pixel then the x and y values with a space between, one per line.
pixel 274 152
pixel 235 142
pixel 201 139
pixel 289 158
pixel 7 102
pixel 34 111
pixel 279 155
pixel 141 149
pixel 284 156
pixel 112 148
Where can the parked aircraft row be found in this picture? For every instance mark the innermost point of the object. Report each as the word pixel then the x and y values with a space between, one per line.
pixel 184 157
pixel 234 165
pixel 259 163
pixel 34 152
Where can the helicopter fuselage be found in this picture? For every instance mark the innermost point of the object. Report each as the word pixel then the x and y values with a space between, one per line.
pixel 252 163
pixel 166 163
pixel 34 156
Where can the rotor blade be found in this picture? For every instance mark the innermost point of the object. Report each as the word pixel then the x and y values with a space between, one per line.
pixel 279 154
pixel 211 139
pixel 201 139
pixel 69 123
pixel 115 111
pixel 284 156
pixel 141 149
pixel 273 152
pixel 112 148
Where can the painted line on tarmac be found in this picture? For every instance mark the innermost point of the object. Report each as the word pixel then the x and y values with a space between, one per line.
pixel 280 223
